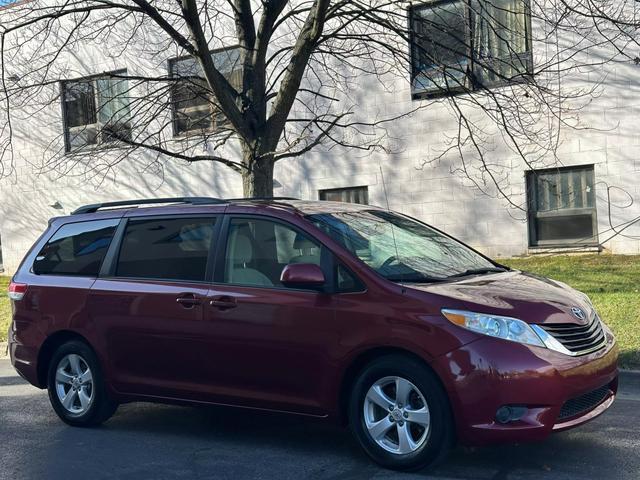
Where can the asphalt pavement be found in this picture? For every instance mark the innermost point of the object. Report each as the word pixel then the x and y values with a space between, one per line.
pixel 146 441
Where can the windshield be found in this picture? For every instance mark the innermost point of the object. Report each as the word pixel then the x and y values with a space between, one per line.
pixel 401 249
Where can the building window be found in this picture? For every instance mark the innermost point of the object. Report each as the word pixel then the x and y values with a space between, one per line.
pixel 462 45
pixel 96 111
pixel 562 207
pixel 348 195
pixel 194 105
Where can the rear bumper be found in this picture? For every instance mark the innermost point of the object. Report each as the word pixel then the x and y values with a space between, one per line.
pixel 489 373
pixel 24 359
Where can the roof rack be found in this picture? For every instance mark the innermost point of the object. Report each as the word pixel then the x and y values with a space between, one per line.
pixel 148 201
pixel 266 199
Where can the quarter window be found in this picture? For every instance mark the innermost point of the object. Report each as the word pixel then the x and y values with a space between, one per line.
pixel 96 111
pixel 258 250
pixel 76 249
pixel 194 105
pixel 168 249
pixel 462 45
pixel 347 281
pixel 562 209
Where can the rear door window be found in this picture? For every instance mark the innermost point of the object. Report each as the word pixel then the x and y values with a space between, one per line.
pixel 166 249
pixel 76 249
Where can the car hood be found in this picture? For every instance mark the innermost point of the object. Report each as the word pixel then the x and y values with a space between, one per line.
pixel 528 297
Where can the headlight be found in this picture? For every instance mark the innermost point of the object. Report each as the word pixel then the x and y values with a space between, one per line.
pixel 496 326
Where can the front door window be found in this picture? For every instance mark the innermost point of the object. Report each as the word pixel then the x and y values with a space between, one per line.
pixel 258 250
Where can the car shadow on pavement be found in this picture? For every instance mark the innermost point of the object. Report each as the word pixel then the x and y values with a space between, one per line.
pixel 246 432
pixel 12 380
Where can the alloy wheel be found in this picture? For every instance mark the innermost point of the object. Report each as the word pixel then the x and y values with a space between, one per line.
pixel 74 384
pixel 396 415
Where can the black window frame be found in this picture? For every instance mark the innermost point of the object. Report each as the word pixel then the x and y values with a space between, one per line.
pixel 533 214
pixel 65 119
pixel 471 82
pixel 215 127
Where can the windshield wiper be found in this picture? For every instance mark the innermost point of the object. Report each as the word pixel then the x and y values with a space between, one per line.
pixel 478 271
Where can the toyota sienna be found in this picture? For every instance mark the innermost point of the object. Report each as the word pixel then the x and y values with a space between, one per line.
pixel 348 312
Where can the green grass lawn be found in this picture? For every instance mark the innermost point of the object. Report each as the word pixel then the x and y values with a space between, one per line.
pixel 613 284
pixel 611 281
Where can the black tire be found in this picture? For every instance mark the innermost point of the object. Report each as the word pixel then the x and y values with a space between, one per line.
pixel 438 437
pixel 100 408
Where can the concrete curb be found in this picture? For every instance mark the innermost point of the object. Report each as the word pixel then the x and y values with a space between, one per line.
pixel 630 378
pixel 4 350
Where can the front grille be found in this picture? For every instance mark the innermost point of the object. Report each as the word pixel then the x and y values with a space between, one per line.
pixel 578 339
pixel 584 403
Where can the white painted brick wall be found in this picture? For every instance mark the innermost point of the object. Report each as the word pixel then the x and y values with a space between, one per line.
pixel 429 192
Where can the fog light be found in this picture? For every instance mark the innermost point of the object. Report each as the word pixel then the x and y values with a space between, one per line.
pixel 510 413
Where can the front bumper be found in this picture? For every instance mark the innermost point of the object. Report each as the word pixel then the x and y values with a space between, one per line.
pixel 489 373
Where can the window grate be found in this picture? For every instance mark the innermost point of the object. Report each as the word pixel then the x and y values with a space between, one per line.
pixel 562 208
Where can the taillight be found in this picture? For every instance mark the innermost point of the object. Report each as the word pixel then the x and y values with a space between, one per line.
pixel 17 290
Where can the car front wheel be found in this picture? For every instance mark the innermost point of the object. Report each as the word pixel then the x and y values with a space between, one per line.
pixel 400 414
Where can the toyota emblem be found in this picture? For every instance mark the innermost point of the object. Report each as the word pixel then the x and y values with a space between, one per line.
pixel 578 313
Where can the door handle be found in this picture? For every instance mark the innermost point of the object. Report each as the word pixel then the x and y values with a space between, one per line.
pixel 223 302
pixel 188 300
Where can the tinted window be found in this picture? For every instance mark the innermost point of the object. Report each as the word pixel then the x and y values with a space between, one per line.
pixel 171 249
pixel 258 250
pixel 76 249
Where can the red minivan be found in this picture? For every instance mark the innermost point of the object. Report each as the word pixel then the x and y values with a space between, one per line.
pixel 325 309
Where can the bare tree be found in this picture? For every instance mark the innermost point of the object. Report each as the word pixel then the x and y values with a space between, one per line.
pixel 295 78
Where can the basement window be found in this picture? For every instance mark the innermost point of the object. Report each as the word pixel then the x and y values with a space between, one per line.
pixel 562 207
pixel 347 195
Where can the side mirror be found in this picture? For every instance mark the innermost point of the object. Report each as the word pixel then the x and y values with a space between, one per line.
pixel 302 275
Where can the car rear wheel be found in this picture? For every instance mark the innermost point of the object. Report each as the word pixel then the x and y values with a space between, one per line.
pixel 400 415
pixel 76 386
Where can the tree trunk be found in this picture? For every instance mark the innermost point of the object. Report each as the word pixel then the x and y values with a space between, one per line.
pixel 258 181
